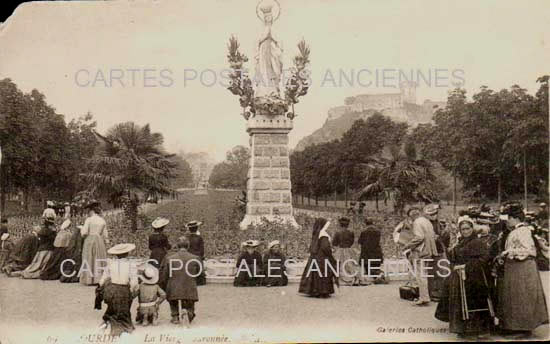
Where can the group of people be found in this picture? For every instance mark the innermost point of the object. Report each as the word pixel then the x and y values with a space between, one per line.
pixel 494 283
pixel 69 253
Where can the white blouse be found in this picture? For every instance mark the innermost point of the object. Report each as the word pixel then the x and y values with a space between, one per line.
pixel 520 243
pixel 120 271
pixel 95 225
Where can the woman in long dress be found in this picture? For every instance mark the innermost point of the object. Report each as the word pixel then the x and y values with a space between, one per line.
pixel 118 286
pixel 52 270
pixel 344 253
pixel 158 242
pixel 469 264
pixel 6 246
pixel 522 304
pixel 94 252
pixel 22 253
pixel 371 256
pixel 46 237
pixel 318 276
pixel 71 267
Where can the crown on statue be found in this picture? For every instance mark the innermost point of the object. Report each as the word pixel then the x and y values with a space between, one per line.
pixel 266 8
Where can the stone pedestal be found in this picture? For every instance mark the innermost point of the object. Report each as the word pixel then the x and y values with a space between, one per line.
pixel 268 188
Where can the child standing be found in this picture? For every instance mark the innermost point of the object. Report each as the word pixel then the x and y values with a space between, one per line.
pixel 150 297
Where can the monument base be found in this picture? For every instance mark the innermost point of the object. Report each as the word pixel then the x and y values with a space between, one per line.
pixel 259 219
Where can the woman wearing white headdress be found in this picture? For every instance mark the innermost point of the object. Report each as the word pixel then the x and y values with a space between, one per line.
pixel 318 276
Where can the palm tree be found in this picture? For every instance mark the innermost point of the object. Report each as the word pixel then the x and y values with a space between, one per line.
pixel 130 160
pixel 402 178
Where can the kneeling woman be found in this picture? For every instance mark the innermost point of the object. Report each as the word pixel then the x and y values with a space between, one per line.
pixel 274 266
pixel 467 289
pixel 118 286
pixel 249 266
pixel 318 275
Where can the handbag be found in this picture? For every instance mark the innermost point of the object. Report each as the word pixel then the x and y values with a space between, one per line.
pixel 408 292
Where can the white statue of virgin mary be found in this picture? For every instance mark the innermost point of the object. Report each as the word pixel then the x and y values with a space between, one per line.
pixel 269 64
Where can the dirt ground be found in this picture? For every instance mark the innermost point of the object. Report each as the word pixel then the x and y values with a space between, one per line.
pixel 35 311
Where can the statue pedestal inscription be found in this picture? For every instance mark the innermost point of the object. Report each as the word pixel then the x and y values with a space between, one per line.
pixel 268 189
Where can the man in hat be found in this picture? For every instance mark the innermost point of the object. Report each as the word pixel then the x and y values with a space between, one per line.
pixel 196 247
pixel 177 278
pixel 423 248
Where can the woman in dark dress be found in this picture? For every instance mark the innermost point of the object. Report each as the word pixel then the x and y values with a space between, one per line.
pixel 72 265
pixel 469 265
pixel 318 276
pixel 52 270
pixel 345 255
pixel 249 265
pixel 23 253
pixel 274 266
pixel 158 242
pixel 46 238
pixel 371 251
pixel 196 247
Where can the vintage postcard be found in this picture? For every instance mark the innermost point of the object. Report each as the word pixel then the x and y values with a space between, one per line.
pixel 274 171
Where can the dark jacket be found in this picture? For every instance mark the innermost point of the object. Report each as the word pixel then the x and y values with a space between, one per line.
pixel 369 240
pixel 196 245
pixel 344 238
pixel 159 246
pixel 181 285
pixel 46 237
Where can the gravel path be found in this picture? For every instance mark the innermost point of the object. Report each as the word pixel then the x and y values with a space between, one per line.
pixel 45 311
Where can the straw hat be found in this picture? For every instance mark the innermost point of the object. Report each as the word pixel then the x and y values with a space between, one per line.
pixel 150 275
pixel 251 243
pixel 193 224
pixel 160 222
pixel 5 236
pixel 273 243
pixel 431 209
pixel 121 249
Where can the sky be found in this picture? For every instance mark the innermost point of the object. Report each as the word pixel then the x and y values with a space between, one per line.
pixel 142 61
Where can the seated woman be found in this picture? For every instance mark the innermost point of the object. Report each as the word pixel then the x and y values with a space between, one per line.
pixel 318 276
pixel 249 266
pixel 46 237
pixel 52 270
pixel 23 253
pixel 467 286
pixel 118 286
pixel 274 266
pixel 74 253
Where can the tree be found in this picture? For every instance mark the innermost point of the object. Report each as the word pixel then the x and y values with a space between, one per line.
pixel 232 173
pixel 131 160
pixel 404 178
pixel 183 173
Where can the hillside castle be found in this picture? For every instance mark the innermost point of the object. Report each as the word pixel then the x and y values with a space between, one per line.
pixel 388 103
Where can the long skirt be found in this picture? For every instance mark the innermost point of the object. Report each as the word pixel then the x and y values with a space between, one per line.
pixel 449 308
pixel 38 263
pixel 119 301
pixel 52 270
pixel 522 305
pixel 4 255
pixel 436 282
pixel 316 280
pixel 349 268
pixel 74 252
pixel 93 250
